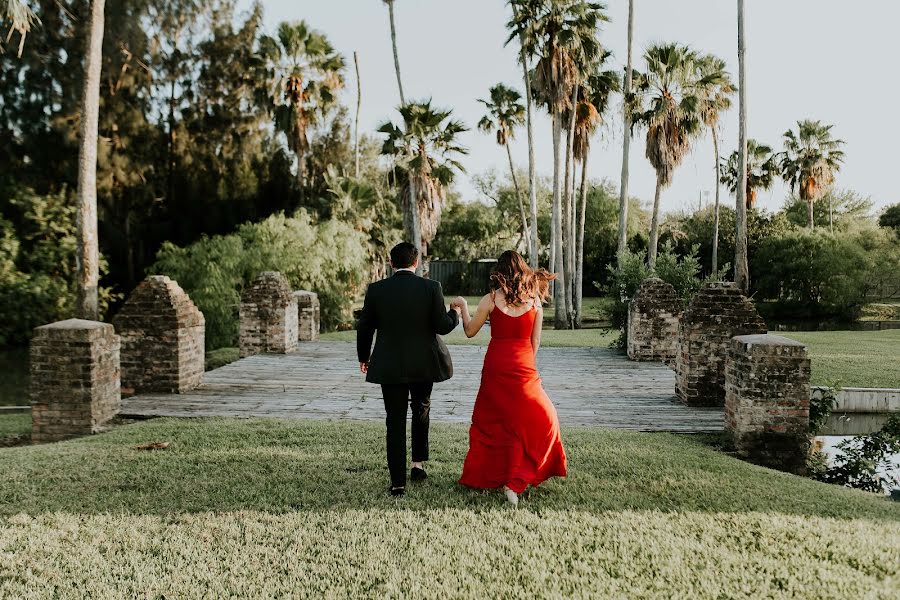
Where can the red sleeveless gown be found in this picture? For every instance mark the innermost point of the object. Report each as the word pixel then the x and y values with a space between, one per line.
pixel 514 438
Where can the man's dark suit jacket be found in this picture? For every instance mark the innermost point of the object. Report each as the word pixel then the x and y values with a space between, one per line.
pixel 409 314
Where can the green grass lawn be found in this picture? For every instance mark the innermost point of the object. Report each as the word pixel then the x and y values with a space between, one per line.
pixel 267 508
pixel 853 358
pixel 14 424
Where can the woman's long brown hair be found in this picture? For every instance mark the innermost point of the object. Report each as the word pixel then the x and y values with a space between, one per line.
pixel 519 282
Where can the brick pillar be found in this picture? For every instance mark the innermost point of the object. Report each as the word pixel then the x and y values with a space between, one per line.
pixel 717 313
pixel 307 315
pixel 268 316
pixel 653 322
pixel 767 400
pixel 163 338
pixel 74 379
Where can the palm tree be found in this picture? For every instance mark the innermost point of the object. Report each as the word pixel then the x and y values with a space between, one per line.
pixel 390 5
pixel 594 101
pixel 717 86
pixel 564 38
pixel 505 113
pixel 424 146
pixel 306 73
pixel 626 143
pixel 21 19
pixel 667 102
pixel 762 169
pixel 741 266
pixel 87 255
pixel 810 160
pixel 521 29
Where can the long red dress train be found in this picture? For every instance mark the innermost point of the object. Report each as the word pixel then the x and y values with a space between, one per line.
pixel 514 438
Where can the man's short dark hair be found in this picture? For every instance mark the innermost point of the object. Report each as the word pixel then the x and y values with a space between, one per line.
pixel 404 255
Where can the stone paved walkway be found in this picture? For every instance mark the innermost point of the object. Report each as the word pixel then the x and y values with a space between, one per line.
pixel 589 386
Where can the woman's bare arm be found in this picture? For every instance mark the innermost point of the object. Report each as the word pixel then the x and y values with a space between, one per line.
pixel 538 326
pixel 472 325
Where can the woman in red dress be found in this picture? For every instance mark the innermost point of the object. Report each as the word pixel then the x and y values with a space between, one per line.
pixel 514 439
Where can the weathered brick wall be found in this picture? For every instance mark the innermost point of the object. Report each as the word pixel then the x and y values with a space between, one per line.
pixel 308 315
pixel 163 338
pixel 75 385
pixel 716 313
pixel 268 316
pixel 653 322
pixel 767 400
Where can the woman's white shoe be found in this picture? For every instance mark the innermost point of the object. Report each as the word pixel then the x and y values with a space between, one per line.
pixel 511 496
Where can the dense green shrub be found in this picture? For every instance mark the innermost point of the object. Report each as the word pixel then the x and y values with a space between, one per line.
pixel 890 218
pixel 329 258
pixel 818 274
pixel 37 264
pixel 682 272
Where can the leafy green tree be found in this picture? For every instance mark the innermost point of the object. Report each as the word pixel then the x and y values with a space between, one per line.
pixel 812 157
pixel 505 114
pixel 425 147
pixel 890 218
pixel 844 210
pixel 668 101
pixel 305 74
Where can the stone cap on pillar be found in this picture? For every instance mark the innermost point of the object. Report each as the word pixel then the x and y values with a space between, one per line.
pixel 158 296
pixel 75 329
pixel 655 293
pixel 270 288
pixel 768 343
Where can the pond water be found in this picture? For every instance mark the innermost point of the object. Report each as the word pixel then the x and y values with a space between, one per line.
pixel 13 377
pixel 829 443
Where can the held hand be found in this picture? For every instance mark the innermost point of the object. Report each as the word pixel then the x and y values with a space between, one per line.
pixel 459 303
pixel 364 368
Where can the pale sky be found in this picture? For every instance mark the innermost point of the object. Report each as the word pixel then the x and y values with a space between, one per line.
pixel 819 59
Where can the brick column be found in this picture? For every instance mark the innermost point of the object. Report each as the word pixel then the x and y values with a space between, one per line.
pixel 767 400
pixel 653 322
pixel 717 312
pixel 308 317
pixel 268 316
pixel 163 338
pixel 74 379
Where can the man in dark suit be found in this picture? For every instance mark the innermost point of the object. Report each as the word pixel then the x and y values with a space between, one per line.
pixel 409 314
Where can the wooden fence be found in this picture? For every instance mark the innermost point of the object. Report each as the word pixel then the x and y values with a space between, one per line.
pixel 462 277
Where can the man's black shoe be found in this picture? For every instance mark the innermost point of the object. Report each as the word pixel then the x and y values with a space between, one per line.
pixel 397 491
pixel 417 474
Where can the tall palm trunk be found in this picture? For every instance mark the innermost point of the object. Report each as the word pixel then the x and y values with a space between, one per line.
pixel 715 240
pixel 810 214
pixel 512 172
pixel 568 226
pixel 356 119
pixel 87 256
pixel 579 260
pixel 741 269
pixel 390 4
pixel 413 230
pixel 534 249
pixel 626 144
pixel 654 224
pixel 559 289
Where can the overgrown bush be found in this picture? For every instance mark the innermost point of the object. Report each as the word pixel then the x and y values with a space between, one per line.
pixel 37 264
pixel 864 462
pixel 682 272
pixel 329 258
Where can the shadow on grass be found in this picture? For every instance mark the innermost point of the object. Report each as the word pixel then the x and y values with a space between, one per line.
pixel 280 466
